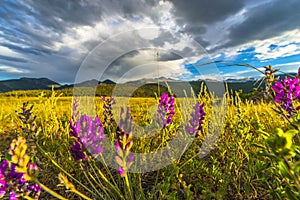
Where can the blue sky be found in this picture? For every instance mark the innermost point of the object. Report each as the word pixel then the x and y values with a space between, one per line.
pixel 69 41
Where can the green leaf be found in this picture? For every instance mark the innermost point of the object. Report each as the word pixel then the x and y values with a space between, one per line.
pixel 189 193
pixel 291 194
pixel 284 170
pixel 172 196
pixel 247 187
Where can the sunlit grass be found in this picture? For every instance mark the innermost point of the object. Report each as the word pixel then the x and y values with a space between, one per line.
pixel 231 170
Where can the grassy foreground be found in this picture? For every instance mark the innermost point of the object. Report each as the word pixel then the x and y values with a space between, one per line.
pixel 239 166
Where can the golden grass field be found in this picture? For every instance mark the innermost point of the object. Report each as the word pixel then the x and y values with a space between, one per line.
pixel 231 170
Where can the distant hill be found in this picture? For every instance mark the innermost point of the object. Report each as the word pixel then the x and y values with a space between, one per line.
pixel 89 83
pixel 142 88
pixel 151 80
pixel 27 84
pixel 107 81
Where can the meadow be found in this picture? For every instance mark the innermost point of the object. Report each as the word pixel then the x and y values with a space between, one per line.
pixel 256 155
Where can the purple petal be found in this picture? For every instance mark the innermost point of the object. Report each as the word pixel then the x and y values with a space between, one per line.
pixel 121 171
pixel 118 148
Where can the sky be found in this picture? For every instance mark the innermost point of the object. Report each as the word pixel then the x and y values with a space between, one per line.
pixel 75 40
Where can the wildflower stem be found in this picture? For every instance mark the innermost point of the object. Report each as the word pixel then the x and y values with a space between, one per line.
pixel 292 174
pixel 140 184
pixel 128 185
pixel 27 197
pixel 99 182
pixel 84 172
pixel 182 153
pixel 97 177
pixel 108 182
pixel 156 181
pixel 189 160
pixel 60 168
pixel 80 194
pixel 49 190
pixel 107 170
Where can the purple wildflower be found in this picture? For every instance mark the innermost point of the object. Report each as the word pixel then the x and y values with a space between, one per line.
pixel 13 196
pixel 3 166
pixel 16 176
pixel 14 183
pixel 124 143
pixel 166 110
pixel 89 134
pixel 35 188
pixel 287 91
pixel 17 173
pixel 197 120
pixel 3 182
pixel 77 151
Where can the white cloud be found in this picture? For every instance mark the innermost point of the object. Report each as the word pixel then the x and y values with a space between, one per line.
pixel 288 44
pixel 288 64
pixel 291 67
pixel 6 51
pixel 10 69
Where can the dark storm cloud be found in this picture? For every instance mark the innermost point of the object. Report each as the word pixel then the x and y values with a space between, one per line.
pixel 195 29
pixel 205 11
pixel 36 29
pixel 19 28
pixel 168 56
pixel 33 27
pixel 195 15
pixel 132 8
pixel 59 69
pixel 164 37
pixel 201 41
pixel 266 21
pixel 62 14
pixel 118 61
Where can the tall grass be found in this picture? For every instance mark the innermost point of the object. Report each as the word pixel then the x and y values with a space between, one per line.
pixel 231 169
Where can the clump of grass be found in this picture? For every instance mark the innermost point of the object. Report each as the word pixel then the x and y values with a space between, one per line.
pixel 252 158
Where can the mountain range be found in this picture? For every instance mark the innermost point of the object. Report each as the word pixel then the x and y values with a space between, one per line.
pixel 246 85
pixel 43 84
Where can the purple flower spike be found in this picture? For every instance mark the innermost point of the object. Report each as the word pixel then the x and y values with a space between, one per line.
pixel 197 120
pixel 166 110
pixel 124 143
pixel 16 176
pixel 287 91
pixel 89 134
